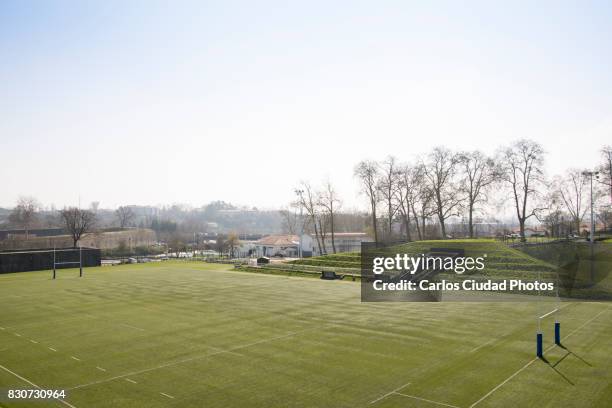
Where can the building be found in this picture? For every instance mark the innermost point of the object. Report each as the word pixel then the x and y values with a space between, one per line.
pixel 344 242
pixel 287 245
pixel 283 245
pixel 531 232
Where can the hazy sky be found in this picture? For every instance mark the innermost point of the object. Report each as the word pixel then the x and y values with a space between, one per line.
pixel 175 102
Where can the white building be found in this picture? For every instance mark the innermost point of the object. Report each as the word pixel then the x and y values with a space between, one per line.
pixel 283 245
pixel 287 245
pixel 343 241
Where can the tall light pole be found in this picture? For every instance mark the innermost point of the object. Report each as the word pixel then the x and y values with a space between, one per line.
pixel 299 193
pixel 590 175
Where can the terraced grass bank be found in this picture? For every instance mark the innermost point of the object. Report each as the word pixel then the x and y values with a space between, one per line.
pixel 501 260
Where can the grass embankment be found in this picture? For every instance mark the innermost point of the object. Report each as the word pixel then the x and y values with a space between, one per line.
pixel 501 261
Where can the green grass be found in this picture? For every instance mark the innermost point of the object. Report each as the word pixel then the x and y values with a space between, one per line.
pixel 502 261
pixel 211 336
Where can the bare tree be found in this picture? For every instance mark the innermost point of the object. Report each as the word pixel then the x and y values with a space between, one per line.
pixel 605 217
pixel 606 169
pixel 478 173
pixel 387 186
pixel 407 193
pixel 24 213
pixel 125 215
pixel 289 221
pixel 330 203
pixel 570 189
pixel 440 171
pixel 322 220
pixel 176 244
pixel 367 172
pixel 307 201
pixel 232 243
pixel 521 167
pixel 78 222
pixel 220 245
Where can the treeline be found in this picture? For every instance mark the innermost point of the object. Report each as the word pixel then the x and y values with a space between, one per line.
pixel 444 184
pixel 169 222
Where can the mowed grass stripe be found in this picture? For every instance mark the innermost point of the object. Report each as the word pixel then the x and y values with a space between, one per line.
pixel 347 354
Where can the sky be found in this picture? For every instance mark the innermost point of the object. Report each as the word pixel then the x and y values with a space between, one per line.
pixel 188 102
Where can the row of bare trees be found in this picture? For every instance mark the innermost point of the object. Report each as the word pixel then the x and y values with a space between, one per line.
pixel 77 221
pixel 318 209
pixel 445 184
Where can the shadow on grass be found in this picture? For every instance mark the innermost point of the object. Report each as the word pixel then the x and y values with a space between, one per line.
pixel 552 366
pixel 575 355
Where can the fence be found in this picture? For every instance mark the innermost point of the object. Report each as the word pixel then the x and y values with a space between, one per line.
pixel 42 259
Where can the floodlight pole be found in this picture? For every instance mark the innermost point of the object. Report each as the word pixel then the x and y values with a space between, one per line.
pixel 590 174
pixel 299 193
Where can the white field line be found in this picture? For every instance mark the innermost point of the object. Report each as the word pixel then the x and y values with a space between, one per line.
pixel 52 349
pixel 166 395
pixel 482 345
pixel 130 380
pixel 34 385
pixel 2 328
pixel 75 358
pixel 33 341
pixel 534 359
pixel 185 360
pixel 389 393
pixel 227 351
pixel 426 400
pixel 101 369
pixel 17 334
pixel 548 314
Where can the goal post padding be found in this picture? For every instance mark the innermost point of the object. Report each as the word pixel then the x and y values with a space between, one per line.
pixel 42 259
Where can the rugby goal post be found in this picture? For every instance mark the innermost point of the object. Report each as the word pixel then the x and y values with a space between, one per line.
pixel 79 262
pixel 539 335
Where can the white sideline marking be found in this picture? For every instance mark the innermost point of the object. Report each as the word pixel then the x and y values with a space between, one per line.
pixel 75 358
pixel 101 369
pixel 548 314
pixel 426 400
pixel 482 345
pixel 389 393
pixel 166 395
pixel 2 328
pixel 34 341
pixel 186 360
pixel 52 349
pixel 34 385
pixel 130 380
pixel 17 334
pixel 535 359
